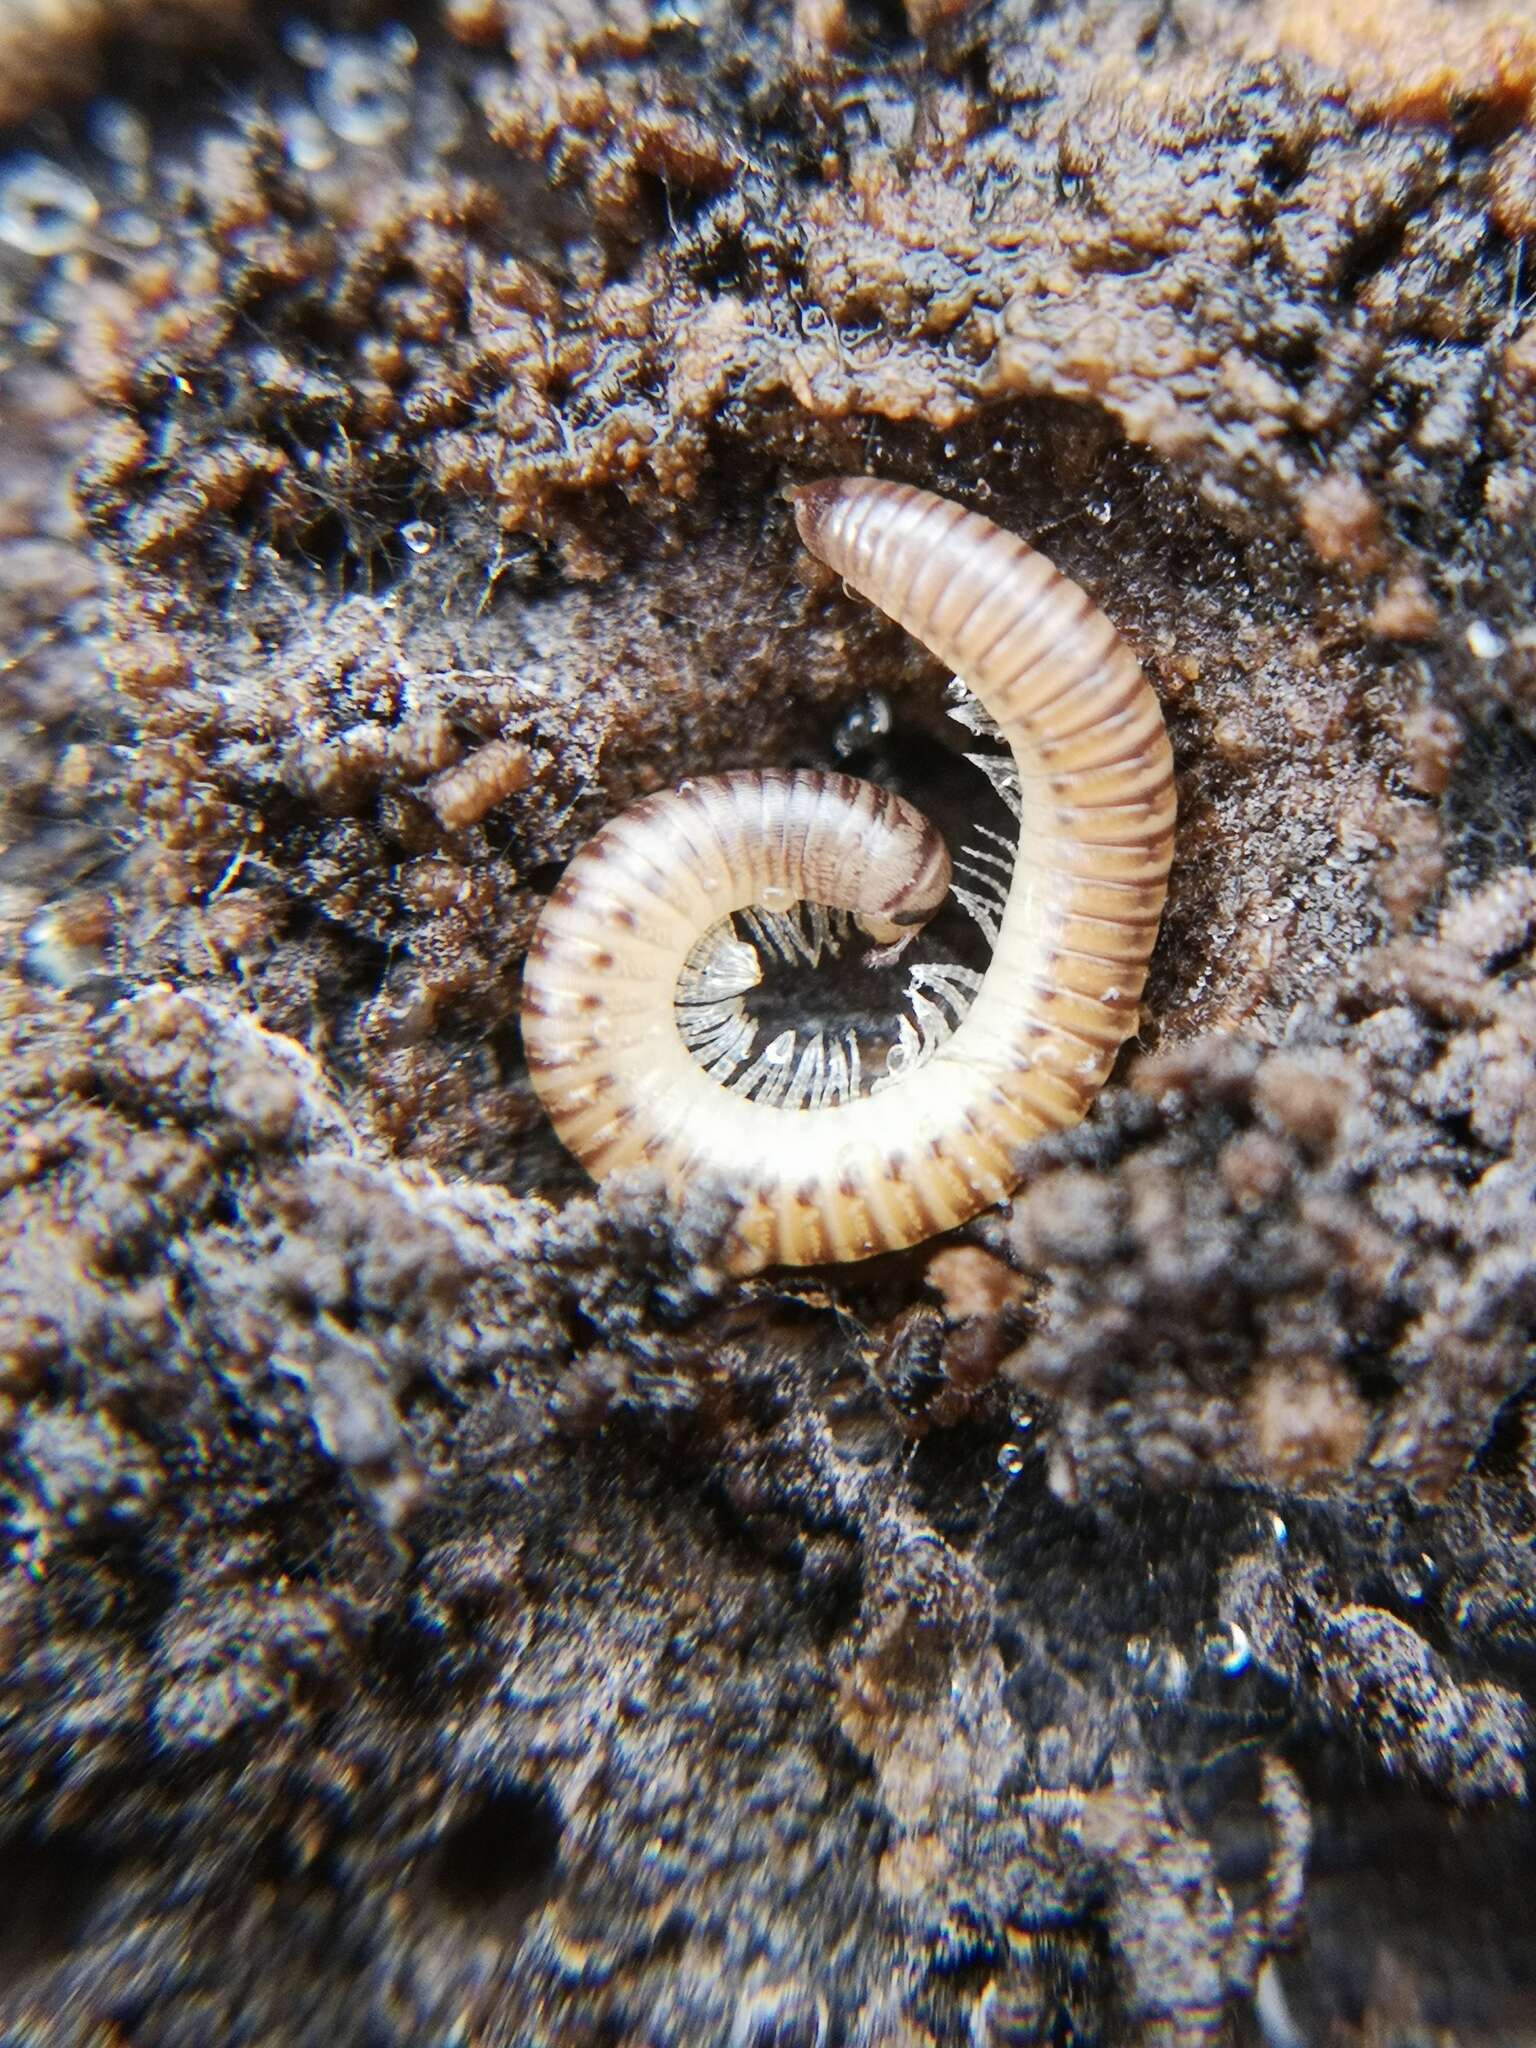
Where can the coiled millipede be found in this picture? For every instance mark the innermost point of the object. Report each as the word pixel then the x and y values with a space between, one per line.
pixel 824 1172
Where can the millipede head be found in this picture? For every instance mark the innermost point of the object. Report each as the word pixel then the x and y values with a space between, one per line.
pixel 813 502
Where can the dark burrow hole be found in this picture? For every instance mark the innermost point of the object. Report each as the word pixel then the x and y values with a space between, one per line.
pixel 852 991
pixel 879 22
pixel 798 2020
pixel 52 1887
pixel 499 1859
pixel 855 991
pixel 1491 802
pixel 1395 1895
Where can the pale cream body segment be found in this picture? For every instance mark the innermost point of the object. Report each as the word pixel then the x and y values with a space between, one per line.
pixel 846 1179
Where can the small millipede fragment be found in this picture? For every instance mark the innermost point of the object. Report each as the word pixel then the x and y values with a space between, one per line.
pixel 465 793
pixel 823 1171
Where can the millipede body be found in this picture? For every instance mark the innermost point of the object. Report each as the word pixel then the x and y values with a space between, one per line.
pixel 844 1175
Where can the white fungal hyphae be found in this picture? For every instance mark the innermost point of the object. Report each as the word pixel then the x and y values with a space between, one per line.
pixel 635 1012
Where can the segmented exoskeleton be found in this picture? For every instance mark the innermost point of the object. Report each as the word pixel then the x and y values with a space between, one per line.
pixel 824 1171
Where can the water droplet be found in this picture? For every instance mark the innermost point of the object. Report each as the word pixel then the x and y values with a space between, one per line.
pixel 51 954
pixel 775 896
pixel 1278 1532
pixel 43 210
pixel 133 229
pixel 361 96
pixel 1101 510
pixel 1484 643
pixel 868 721
pixel 1227 1650
pixel 418 536
pixel 120 133
pixel 307 140
pixel 1011 1458
pixel 305 45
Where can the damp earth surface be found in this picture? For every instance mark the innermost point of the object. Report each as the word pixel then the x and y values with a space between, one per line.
pixel 440 1607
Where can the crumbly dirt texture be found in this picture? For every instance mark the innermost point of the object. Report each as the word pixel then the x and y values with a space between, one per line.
pixel 438 1609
